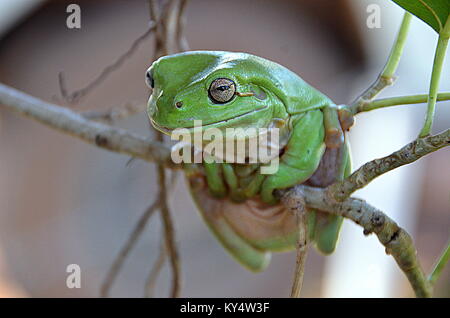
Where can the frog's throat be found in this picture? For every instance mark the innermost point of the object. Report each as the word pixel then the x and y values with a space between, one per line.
pixel 168 131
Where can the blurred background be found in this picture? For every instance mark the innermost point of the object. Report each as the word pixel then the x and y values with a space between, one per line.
pixel 65 202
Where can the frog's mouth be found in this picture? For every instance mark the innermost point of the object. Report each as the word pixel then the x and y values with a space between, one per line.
pixel 218 124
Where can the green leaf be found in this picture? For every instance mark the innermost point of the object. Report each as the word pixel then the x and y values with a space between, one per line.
pixel 433 12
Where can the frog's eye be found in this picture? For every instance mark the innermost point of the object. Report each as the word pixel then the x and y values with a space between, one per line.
pixel 222 90
pixel 149 80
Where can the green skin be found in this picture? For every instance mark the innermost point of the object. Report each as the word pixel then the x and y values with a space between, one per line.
pixel 268 94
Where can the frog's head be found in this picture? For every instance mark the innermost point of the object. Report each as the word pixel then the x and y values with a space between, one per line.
pixel 222 89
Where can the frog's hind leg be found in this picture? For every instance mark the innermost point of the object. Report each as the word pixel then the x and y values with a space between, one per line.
pixel 326 232
pixel 326 228
pixel 334 136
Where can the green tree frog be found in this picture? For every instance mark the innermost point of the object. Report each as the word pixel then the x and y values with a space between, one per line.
pixel 238 202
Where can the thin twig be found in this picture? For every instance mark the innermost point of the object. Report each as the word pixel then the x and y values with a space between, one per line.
pixel 112 115
pixel 131 242
pixel 169 234
pixel 159 14
pixel 302 249
pixel 300 262
pixel 440 265
pixel 75 97
pixel 126 249
pixel 155 271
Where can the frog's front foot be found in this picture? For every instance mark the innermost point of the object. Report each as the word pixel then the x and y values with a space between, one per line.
pixel 267 194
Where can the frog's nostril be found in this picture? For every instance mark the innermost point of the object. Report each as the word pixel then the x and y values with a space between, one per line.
pixel 179 105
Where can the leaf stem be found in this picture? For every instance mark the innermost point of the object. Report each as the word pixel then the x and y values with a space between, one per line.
pixel 400 100
pixel 386 77
pixel 440 264
pixel 441 49
pixel 397 50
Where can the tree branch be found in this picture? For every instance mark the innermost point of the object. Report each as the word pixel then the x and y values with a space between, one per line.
pixel 400 100
pixel 71 123
pixel 375 168
pixel 397 241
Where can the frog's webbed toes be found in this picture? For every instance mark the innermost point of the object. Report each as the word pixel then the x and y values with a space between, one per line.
pixel 270 184
pixel 216 184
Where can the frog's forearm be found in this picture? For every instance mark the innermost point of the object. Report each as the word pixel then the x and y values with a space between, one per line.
pixel 334 136
pixel 301 157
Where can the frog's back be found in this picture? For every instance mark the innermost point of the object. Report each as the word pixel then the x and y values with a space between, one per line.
pixel 296 95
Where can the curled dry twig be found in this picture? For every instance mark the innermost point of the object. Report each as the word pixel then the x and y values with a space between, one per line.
pixel 126 249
